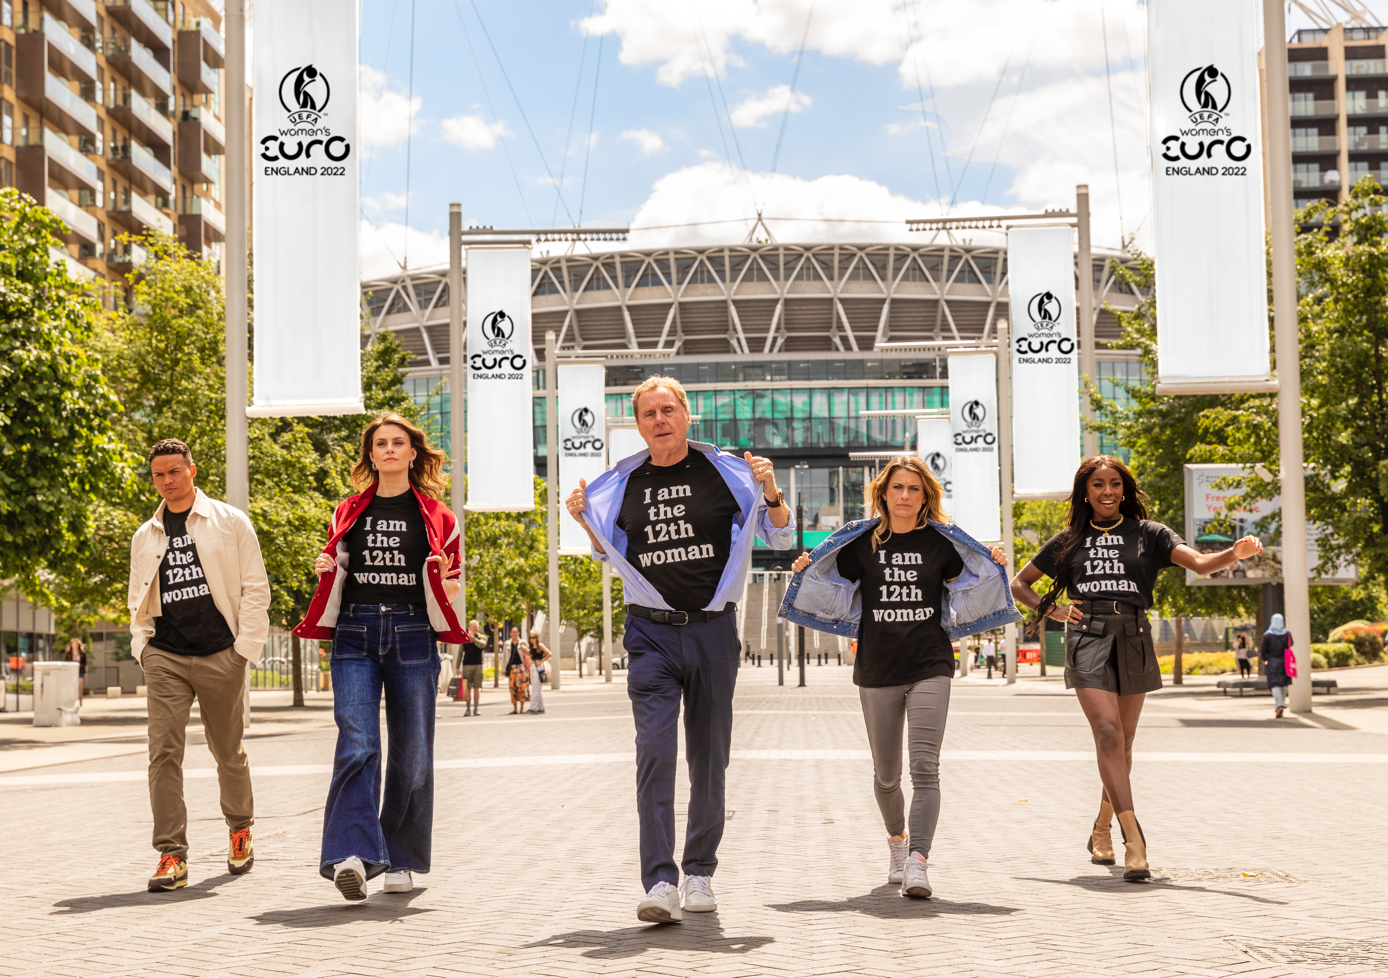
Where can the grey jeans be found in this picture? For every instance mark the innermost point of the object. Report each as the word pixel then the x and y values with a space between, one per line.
pixel 922 708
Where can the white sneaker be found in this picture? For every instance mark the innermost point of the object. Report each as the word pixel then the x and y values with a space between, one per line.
pixel 398 881
pixel 898 846
pixel 698 894
pixel 661 906
pixel 350 878
pixel 915 881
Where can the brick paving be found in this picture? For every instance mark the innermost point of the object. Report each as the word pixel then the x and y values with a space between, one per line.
pixel 1266 838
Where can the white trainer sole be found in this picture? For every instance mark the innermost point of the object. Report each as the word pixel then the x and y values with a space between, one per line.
pixel 919 891
pixel 657 912
pixel 350 885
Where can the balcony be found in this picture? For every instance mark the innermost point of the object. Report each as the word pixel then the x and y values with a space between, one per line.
pixel 62 107
pixel 205 128
pixel 1366 103
pixel 1311 69
pixel 145 119
pixel 1367 66
pixel 45 36
pixel 126 255
pixel 1301 110
pixel 1369 143
pixel 1329 180
pixel 1315 144
pixel 140 66
pixel 143 22
pixel 74 267
pixel 139 216
pixel 213 51
pixel 201 223
pixel 197 166
pixel 51 159
pixel 199 57
pixel 138 165
pixel 82 226
pixel 80 13
pixel 1380 175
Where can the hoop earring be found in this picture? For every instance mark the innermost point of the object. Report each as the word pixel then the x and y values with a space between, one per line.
pixel 373 466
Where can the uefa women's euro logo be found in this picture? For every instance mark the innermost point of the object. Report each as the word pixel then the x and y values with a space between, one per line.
pixel 304 93
pixel 498 361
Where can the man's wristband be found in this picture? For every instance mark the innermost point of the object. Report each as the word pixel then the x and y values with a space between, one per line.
pixel 776 503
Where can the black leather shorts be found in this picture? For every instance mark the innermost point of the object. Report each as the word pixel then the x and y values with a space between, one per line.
pixel 1112 652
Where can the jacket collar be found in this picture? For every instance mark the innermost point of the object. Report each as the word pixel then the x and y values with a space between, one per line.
pixel 202 506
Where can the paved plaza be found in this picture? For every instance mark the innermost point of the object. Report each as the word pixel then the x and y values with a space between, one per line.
pixel 1266 837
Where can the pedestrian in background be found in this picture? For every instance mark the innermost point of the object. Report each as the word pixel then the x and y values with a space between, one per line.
pixel 1241 657
pixel 990 655
pixel 539 655
pixel 1273 651
pixel 385 625
pixel 470 688
pixel 77 652
pixel 517 653
pixel 199 600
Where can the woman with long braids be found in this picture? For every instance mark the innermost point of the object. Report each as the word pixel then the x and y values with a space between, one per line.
pixel 1107 560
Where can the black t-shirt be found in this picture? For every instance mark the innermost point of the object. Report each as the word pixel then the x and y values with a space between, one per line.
pixel 472 654
pixel 515 659
pixel 901 640
pixel 387 547
pixel 679 525
pixel 189 622
pixel 1115 565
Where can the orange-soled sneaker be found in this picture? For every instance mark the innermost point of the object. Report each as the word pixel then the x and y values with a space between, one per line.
pixel 171 874
pixel 240 853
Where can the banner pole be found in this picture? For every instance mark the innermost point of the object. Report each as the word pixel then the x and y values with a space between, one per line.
pixel 238 480
pixel 552 502
pixel 1295 570
pixel 1005 466
pixel 1088 366
pixel 457 385
pixel 606 622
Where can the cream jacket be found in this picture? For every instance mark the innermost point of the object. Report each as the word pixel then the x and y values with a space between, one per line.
pixel 230 557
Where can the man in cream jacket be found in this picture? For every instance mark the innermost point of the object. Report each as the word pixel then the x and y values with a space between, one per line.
pixel 198 600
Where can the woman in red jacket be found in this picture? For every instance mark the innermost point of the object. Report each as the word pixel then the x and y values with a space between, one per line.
pixel 387 580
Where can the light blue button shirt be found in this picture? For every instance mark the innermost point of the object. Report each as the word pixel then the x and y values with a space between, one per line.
pixel 605 495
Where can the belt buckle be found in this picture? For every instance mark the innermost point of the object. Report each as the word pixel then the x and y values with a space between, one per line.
pixel 670 617
pixel 1115 608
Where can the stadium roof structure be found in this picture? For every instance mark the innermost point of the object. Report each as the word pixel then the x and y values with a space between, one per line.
pixel 751 300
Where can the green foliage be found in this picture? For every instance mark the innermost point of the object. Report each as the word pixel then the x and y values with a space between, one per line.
pixel 1199 663
pixel 507 563
pixel 1336 654
pixel 1318 661
pixel 56 443
pixel 1035 522
pixel 580 596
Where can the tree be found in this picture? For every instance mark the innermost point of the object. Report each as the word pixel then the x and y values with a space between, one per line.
pixel 507 562
pixel 580 596
pixel 58 450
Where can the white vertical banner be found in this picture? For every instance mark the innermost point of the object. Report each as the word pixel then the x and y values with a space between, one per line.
pixel 935 447
pixel 1207 186
pixel 973 409
pixel 500 412
pixel 1045 368
pixel 582 441
pixel 305 180
pixel 623 441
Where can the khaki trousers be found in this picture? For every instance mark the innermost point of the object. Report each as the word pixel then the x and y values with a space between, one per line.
pixel 218 681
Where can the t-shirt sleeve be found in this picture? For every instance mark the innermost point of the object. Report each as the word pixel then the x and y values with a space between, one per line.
pixel 1163 540
pixel 1045 557
pixel 849 564
pixel 954 564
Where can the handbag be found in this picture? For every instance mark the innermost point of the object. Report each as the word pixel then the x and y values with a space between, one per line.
pixel 1291 659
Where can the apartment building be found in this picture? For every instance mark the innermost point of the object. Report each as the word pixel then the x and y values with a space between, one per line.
pixel 111 115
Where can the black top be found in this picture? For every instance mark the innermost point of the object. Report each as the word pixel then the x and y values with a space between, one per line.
pixel 537 652
pixel 472 654
pixel 679 525
pixel 902 585
pixel 189 622
pixel 387 547
pixel 515 659
pixel 1120 564
pixel 1273 652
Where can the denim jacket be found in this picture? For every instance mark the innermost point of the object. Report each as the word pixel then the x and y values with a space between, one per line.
pixel 979 599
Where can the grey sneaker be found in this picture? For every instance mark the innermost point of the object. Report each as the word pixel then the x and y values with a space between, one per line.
pixel 698 894
pixel 398 881
pixel 661 906
pixel 898 846
pixel 915 881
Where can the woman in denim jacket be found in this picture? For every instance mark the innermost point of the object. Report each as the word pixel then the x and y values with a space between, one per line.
pixel 905 583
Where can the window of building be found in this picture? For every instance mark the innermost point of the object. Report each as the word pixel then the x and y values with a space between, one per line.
pixel 6 173
pixel 6 122
pixel 6 13
pixel 24 129
pixel 7 63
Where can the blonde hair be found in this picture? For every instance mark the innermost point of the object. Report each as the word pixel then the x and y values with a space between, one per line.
pixel 426 474
pixel 875 497
pixel 651 383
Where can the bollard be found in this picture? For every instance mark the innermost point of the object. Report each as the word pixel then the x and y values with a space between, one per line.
pixel 113 692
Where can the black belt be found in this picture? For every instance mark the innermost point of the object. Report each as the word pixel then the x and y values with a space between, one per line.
pixel 1107 607
pixel 663 617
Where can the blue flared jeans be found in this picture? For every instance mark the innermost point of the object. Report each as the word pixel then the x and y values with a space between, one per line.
pixel 377 647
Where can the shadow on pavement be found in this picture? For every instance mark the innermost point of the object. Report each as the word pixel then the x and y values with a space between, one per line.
pixel 1117 884
pixel 378 907
pixel 141 898
pixel 699 932
pixel 886 903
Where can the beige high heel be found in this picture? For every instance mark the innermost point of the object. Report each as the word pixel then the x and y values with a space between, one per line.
pixel 1135 848
pixel 1100 842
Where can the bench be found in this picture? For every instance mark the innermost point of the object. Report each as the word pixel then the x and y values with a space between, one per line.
pixel 1261 686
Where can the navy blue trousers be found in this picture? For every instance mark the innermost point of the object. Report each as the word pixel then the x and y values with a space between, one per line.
pixel 697 662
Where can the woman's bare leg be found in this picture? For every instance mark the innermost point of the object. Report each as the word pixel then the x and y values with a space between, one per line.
pixel 1114 724
pixel 1129 712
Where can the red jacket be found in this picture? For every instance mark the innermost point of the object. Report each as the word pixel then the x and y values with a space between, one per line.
pixel 442 529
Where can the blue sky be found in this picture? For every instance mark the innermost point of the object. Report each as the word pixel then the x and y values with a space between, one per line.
pixel 1021 102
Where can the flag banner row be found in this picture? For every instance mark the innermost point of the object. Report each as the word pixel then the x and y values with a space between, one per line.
pixel 304 158
pixel 973 406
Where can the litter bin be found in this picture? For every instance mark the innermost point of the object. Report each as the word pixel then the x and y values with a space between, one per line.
pixel 55 694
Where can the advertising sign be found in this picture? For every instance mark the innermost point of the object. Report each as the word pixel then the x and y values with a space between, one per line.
pixel 973 405
pixel 1209 528
pixel 582 441
pixel 935 447
pixel 1207 186
pixel 1045 360
pixel 500 418
pixel 304 165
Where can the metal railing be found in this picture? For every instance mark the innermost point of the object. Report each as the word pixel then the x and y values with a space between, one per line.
pixel 1311 69
pixel 1314 107
pixel 275 670
pixel 1367 66
pixel 1315 144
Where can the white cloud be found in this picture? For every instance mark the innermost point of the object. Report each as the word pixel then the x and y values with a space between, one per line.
pixel 387 201
pixel 387 117
pixel 774 101
pixel 385 246
pixel 649 142
pixel 474 132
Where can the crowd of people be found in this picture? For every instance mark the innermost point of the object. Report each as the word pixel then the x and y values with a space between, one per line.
pixel 905 583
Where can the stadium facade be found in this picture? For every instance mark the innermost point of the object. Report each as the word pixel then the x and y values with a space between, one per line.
pixel 779 345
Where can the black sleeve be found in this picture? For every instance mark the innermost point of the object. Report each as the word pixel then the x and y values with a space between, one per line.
pixel 954 564
pixel 849 565
pixel 1045 557
pixel 1163 540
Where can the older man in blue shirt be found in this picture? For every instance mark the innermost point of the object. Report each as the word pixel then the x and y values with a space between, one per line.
pixel 678 523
